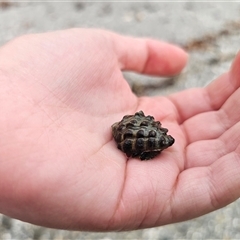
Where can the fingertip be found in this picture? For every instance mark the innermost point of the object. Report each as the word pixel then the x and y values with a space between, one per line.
pixel 165 59
pixel 149 56
pixel 235 70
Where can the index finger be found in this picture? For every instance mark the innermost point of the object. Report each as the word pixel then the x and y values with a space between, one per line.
pixel 211 98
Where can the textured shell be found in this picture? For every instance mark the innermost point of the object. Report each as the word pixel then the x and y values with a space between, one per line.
pixel 140 136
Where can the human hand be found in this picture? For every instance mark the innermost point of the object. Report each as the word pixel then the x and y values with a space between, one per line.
pixel 60 94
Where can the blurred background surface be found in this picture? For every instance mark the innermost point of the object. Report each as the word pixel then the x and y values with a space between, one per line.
pixel 209 31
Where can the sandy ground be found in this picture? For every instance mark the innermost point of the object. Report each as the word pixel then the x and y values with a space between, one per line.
pixel 209 31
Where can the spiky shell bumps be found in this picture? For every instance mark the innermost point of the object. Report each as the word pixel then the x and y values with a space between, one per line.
pixel 140 136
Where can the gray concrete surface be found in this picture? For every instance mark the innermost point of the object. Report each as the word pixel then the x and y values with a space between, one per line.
pixel 210 31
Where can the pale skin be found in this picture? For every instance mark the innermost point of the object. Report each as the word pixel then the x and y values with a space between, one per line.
pixel 60 93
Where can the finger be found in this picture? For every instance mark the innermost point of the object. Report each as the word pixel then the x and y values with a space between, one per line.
pixel 149 56
pixel 195 101
pixel 190 103
pixel 206 152
pixel 210 125
pixel 201 190
pixel 218 92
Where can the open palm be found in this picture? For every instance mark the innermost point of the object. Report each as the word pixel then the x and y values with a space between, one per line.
pixel 59 167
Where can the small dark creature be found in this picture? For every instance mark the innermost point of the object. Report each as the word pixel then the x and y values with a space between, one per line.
pixel 140 136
